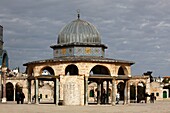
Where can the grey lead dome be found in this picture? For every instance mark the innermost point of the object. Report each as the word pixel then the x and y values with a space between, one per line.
pixel 79 31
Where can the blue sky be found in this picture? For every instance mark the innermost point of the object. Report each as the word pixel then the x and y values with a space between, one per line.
pixel 135 30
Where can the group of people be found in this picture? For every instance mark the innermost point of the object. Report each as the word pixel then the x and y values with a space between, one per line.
pixel 33 99
pixel 20 97
pixel 152 97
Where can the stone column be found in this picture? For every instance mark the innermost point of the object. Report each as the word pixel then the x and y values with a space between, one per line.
pixel 125 92
pixel 86 91
pixel 136 89
pixel 148 86
pixel 107 92
pixel 4 69
pixel 57 91
pixel 1 86
pixel 36 91
pixel 29 91
pixel 14 93
pixel 128 92
pixel 98 92
pixel 102 90
pixel 113 92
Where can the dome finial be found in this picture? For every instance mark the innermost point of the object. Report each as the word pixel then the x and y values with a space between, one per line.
pixel 78 13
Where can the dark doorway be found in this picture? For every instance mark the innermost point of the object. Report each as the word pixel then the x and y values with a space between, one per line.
pixel 9 91
pixel 120 89
pixel 140 92
pixel 132 92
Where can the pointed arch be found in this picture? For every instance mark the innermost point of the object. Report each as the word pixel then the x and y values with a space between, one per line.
pixel 122 71
pixel 71 70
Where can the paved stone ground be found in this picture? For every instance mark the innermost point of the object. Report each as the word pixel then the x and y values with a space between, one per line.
pixel 157 107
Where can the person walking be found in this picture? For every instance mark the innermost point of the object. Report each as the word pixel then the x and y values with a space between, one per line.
pixel 152 98
pixel 18 97
pixel 146 96
pixel 117 97
pixel 22 96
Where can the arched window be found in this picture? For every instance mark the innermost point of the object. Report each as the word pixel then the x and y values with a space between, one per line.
pixel 91 93
pixel 47 71
pixel 121 71
pixel 99 70
pixel 164 94
pixel 71 70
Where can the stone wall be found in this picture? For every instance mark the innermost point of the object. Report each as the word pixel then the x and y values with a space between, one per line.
pixel 73 90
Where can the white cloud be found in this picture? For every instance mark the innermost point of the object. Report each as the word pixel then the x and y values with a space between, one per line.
pixel 163 24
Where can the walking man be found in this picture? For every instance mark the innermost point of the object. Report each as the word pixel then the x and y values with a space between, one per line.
pixel 18 97
pixel 22 96
pixel 117 97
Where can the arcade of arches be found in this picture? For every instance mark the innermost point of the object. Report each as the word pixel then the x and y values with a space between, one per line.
pixel 84 83
pixel 54 89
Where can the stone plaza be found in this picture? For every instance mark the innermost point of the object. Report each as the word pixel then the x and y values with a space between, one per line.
pixel 161 106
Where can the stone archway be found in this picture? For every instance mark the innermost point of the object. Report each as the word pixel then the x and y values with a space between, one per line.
pixel 120 89
pixel 71 70
pixel 168 88
pixel 122 71
pixel 141 89
pixel 9 91
pixel 47 71
pixel 101 76
pixel 132 92
pixel 18 88
pixel 99 70
pixel 46 85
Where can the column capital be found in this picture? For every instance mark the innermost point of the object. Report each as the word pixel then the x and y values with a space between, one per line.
pixel 86 77
pixel 4 69
pixel 114 78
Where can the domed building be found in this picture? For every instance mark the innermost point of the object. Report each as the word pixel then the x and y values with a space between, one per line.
pixel 79 72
